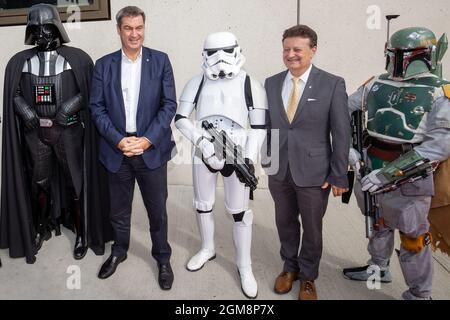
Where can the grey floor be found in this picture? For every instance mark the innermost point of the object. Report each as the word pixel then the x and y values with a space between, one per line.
pixel 344 245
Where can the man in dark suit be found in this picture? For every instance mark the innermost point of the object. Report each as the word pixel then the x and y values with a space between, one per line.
pixel 308 108
pixel 133 102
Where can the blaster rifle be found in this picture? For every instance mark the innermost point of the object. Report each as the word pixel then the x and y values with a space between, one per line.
pixel 371 213
pixel 416 171
pixel 232 153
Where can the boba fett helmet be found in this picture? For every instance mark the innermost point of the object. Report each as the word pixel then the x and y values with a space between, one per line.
pixel 413 51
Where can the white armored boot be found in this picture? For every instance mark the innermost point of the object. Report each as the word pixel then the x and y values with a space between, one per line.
pixel 207 252
pixel 242 236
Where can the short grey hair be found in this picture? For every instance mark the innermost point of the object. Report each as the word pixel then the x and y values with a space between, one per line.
pixel 130 11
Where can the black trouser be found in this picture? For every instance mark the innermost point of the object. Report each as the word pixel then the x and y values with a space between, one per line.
pixel 64 143
pixel 50 149
pixel 153 186
pixel 310 203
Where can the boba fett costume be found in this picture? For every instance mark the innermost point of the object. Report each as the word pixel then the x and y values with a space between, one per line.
pixel 408 119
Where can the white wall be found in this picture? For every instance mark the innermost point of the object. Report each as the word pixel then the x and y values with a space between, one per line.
pixel 347 46
pixel 179 27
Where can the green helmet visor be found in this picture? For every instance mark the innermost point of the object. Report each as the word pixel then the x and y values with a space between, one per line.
pixel 400 59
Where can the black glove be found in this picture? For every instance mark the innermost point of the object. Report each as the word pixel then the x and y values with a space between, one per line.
pixel 32 123
pixel 67 114
pixel 61 118
pixel 28 114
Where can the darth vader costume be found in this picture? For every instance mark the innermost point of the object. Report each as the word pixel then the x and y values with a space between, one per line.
pixel 51 175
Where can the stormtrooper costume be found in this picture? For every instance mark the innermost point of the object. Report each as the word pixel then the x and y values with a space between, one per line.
pixel 227 97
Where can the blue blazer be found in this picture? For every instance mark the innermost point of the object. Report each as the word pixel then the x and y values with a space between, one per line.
pixel 156 108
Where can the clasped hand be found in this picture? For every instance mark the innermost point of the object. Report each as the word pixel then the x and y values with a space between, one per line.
pixel 133 146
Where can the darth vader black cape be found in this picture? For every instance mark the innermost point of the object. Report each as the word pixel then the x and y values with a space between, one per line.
pixel 17 232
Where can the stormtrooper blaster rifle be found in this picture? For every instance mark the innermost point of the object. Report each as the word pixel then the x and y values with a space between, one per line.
pixel 232 153
pixel 420 169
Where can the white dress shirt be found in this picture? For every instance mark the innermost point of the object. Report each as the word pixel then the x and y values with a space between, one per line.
pixel 287 86
pixel 131 84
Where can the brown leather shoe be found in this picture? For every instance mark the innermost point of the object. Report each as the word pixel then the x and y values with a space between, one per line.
pixel 283 283
pixel 307 291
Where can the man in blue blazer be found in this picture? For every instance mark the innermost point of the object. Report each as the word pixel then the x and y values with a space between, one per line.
pixel 133 102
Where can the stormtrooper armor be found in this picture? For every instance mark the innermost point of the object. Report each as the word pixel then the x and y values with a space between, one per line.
pixel 227 97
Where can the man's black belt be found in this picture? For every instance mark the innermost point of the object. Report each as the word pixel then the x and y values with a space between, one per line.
pixel 131 134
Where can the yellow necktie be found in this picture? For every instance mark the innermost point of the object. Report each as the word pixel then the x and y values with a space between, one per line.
pixel 293 99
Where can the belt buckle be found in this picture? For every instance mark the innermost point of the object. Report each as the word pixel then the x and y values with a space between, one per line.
pixel 45 123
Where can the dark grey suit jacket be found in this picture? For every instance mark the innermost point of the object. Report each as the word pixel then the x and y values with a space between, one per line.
pixel 316 144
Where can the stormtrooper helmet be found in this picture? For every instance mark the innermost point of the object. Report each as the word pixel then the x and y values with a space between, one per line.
pixel 222 57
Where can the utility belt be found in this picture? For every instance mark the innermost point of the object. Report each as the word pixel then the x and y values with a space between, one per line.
pixel 386 151
pixel 49 123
